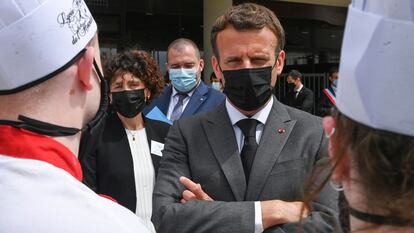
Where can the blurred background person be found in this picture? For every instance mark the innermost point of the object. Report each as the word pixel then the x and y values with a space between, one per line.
pixel 327 101
pixel 187 94
pixel 216 83
pixel 124 165
pixel 372 134
pixel 298 95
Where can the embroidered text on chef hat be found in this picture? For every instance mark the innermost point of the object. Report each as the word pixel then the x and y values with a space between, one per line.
pixel 38 38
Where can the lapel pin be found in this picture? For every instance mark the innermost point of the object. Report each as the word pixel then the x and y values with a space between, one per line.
pixel 281 130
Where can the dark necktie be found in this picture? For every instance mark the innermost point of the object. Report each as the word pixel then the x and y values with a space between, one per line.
pixel 248 127
pixel 178 108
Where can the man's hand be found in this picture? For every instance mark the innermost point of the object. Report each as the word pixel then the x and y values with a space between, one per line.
pixel 276 212
pixel 193 192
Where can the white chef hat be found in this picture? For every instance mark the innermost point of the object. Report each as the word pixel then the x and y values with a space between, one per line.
pixel 38 38
pixel 376 85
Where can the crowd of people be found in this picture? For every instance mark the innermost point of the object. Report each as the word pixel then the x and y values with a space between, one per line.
pixel 91 146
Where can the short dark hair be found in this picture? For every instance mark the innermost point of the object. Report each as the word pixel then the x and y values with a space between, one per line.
pixel 179 44
pixel 333 70
pixel 138 63
pixel 212 76
pixel 295 74
pixel 248 16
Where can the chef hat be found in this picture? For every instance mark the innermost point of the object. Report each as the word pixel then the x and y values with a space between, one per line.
pixel 38 38
pixel 376 85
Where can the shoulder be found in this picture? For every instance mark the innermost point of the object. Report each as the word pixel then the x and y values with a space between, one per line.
pixel 164 96
pixel 89 212
pixel 304 119
pixel 166 91
pixel 113 127
pixel 210 92
pixel 195 121
pixel 307 90
pixel 156 124
pixel 216 94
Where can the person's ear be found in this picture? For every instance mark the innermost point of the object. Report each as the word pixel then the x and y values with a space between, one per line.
pixel 341 171
pixel 147 94
pixel 167 68
pixel 217 70
pixel 201 64
pixel 280 62
pixel 85 64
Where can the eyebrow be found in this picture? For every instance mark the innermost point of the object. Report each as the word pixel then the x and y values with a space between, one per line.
pixel 265 56
pixel 233 58
pixel 182 64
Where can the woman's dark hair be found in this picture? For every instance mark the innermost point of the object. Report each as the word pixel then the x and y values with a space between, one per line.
pixel 384 162
pixel 138 63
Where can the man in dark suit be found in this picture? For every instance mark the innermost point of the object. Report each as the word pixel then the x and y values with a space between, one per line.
pixel 242 166
pixel 187 94
pixel 299 96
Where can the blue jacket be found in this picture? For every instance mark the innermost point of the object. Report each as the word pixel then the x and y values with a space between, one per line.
pixel 203 99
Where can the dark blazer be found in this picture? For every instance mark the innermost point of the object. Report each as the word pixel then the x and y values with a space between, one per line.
pixel 204 148
pixel 203 99
pixel 304 101
pixel 110 170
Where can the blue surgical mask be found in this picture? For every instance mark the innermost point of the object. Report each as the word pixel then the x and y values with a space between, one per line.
pixel 215 85
pixel 335 82
pixel 183 80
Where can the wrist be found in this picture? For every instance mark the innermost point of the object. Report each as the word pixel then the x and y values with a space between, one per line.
pixel 271 213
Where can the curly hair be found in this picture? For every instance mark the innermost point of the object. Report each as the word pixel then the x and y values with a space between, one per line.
pixel 140 64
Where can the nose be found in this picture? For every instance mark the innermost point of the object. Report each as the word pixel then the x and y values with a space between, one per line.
pixel 247 63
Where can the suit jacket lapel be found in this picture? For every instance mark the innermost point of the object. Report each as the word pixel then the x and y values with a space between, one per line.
pixel 275 134
pixel 220 136
pixel 163 100
pixel 118 147
pixel 150 135
pixel 198 97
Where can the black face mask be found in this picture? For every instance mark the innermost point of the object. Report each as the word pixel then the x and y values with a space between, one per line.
pixel 291 86
pixel 128 103
pixel 248 89
pixel 91 132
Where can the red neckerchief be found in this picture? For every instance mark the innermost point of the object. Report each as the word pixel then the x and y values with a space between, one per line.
pixel 20 143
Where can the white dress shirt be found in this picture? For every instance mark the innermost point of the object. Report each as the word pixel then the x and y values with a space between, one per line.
pixel 144 174
pixel 261 116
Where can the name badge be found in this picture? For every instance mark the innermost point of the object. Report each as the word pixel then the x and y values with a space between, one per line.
pixel 156 148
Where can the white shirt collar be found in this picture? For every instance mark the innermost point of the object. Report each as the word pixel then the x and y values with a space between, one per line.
pixel 236 116
pixel 300 88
